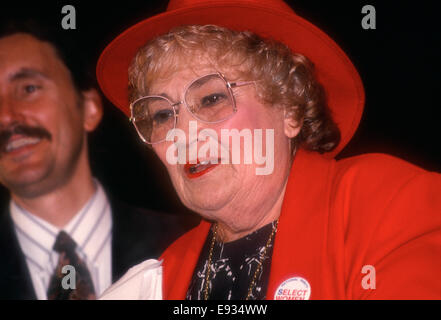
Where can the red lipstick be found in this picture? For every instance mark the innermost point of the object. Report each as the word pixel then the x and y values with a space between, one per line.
pixel 199 169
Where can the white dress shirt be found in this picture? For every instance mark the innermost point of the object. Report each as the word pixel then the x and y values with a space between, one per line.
pixel 91 228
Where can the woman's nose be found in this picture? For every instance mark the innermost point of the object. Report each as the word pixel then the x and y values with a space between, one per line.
pixel 186 121
pixel 191 127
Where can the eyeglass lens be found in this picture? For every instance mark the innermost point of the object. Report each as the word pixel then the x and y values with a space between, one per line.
pixel 208 98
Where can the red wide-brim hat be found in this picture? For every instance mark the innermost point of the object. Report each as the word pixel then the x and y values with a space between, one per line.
pixel 268 18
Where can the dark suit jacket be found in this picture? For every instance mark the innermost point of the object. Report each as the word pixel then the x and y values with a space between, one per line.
pixel 138 234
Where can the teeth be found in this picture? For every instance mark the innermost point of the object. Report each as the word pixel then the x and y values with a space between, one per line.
pixel 21 143
pixel 201 166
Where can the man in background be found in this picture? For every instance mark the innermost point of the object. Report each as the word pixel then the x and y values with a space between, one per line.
pixel 58 214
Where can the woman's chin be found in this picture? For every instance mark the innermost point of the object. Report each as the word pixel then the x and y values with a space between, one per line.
pixel 206 195
pixel 208 204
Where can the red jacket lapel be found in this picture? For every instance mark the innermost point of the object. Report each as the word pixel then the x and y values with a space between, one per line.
pixel 300 247
pixel 180 260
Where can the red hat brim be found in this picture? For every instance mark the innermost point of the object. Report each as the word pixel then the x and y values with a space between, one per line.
pixel 342 83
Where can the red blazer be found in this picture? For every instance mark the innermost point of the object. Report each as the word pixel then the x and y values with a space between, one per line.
pixel 337 217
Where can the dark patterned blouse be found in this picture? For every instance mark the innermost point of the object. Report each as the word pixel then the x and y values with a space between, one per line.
pixel 233 267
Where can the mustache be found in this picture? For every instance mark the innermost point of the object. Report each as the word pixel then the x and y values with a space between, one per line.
pixel 24 130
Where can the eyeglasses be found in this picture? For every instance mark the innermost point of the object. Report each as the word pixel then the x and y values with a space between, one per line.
pixel 209 99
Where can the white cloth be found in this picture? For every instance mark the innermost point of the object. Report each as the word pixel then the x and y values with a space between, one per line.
pixel 141 282
pixel 91 228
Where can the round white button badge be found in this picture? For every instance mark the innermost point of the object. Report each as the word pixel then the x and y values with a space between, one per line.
pixel 296 288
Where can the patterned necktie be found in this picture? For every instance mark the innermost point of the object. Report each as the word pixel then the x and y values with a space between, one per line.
pixel 63 290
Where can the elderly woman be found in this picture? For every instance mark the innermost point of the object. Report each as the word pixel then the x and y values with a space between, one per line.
pixel 311 228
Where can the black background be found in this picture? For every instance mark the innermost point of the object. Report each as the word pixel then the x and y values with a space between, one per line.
pixel 398 63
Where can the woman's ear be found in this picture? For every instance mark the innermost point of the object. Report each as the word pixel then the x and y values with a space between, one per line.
pixel 291 125
pixel 93 109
